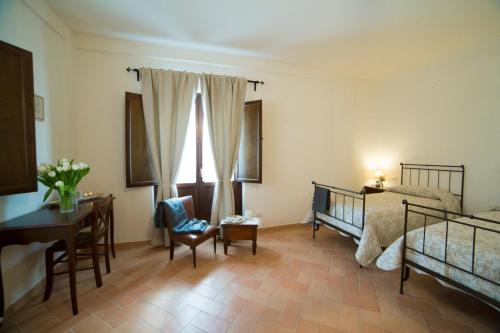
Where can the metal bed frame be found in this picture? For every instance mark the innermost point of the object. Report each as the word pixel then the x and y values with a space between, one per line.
pixel 342 193
pixel 411 174
pixel 434 213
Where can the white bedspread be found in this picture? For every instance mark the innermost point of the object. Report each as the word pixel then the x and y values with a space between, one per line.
pixel 384 216
pixel 459 253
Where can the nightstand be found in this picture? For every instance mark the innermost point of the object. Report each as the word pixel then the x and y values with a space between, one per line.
pixel 246 230
pixel 372 189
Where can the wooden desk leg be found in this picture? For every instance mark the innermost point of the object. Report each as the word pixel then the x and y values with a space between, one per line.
pixel 112 231
pixel 1 290
pixel 254 246
pixel 226 243
pixel 70 243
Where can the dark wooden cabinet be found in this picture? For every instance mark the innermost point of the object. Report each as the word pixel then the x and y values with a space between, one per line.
pixel 18 168
pixel 372 189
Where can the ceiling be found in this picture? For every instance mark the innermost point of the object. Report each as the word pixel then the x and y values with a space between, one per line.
pixel 368 39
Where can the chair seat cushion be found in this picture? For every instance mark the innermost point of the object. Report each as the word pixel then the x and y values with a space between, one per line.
pixel 194 239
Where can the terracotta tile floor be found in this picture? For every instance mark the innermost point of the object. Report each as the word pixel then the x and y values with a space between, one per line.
pixel 293 284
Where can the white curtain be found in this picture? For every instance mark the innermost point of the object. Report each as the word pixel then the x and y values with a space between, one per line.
pixel 167 98
pixel 223 101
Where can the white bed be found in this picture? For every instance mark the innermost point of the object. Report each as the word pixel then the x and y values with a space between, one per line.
pixel 384 216
pixel 461 259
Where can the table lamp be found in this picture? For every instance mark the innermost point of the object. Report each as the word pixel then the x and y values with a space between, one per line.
pixel 380 177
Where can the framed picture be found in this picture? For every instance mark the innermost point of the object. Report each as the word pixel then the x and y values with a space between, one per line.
pixel 39 107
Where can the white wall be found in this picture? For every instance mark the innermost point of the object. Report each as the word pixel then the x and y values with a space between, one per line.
pixel 446 114
pixel 315 126
pixel 300 111
pixel 32 26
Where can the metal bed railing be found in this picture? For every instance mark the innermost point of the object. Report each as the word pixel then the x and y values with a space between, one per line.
pixel 429 212
pixel 431 175
pixel 339 196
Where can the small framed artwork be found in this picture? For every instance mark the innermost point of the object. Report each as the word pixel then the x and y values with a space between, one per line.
pixel 39 107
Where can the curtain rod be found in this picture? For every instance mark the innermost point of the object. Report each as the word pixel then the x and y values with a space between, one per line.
pixel 136 70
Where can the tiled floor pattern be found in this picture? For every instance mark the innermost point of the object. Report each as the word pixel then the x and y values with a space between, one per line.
pixel 293 284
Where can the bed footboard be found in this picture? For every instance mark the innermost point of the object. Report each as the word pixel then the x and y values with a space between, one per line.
pixel 472 247
pixel 343 200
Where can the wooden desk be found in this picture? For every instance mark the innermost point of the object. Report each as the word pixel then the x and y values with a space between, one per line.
pixel 111 226
pixel 46 225
pixel 240 231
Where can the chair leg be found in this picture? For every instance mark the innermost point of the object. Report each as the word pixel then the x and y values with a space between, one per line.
pixel 95 264
pixel 194 256
pixel 215 244
pixel 172 250
pixel 106 252
pixel 49 273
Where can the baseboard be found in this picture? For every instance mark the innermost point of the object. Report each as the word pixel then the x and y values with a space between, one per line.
pixel 37 289
pixel 128 245
pixel 281 227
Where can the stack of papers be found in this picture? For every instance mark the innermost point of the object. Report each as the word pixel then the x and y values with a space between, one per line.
pixel 233 219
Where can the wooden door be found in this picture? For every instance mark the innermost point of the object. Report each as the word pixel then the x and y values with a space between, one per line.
pixel 202 192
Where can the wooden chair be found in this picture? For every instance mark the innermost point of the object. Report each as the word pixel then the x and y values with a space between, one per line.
pixel 85 240
pixel 191 240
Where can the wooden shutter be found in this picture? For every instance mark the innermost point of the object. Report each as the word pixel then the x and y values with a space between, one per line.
pixel 249 166
pixel 17 121
pixel 139 164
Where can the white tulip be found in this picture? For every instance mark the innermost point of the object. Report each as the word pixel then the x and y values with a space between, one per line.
pixel 65 164
pixel 75 167
pixel 59 169
pixel 42 169
pixel 59 183
pixel 52 173
pixel 64 160
pixel 83 165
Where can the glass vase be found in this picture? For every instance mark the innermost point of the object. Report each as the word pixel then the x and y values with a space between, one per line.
pixel 67 202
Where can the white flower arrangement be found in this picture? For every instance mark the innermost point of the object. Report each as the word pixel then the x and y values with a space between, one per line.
pixel 62 177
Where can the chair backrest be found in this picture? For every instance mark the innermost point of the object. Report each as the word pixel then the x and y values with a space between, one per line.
pixel 101 216
pixel 187 203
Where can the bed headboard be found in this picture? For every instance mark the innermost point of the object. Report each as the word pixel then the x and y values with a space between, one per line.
pixel 446 177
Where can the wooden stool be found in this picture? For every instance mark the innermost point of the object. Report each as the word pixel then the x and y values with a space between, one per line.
pixel 246 230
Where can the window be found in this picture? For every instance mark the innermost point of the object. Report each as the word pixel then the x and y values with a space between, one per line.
pixel 187 168
pixel 197 175
pixel 208 173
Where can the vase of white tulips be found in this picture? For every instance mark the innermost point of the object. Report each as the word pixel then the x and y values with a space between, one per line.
pixel 62 177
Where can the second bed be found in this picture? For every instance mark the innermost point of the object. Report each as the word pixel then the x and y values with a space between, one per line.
pixel 376 220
